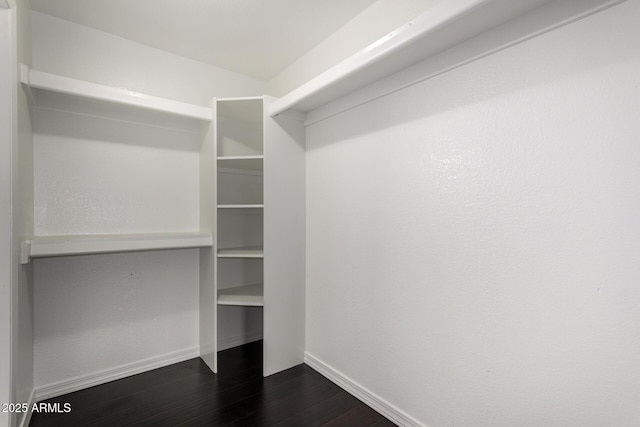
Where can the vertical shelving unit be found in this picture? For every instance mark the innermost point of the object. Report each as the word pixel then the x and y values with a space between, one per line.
pixel 259 228
pixel 239 219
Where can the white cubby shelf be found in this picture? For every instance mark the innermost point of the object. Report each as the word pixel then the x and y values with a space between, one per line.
pixel 243 206
pixel 241 252
pixel 248 295
pixel 52 246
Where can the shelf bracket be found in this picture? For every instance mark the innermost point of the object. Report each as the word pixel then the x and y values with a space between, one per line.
pixel 26 83
pixel 25 252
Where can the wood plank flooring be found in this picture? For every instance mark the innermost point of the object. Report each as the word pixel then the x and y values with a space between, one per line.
pixel 189 394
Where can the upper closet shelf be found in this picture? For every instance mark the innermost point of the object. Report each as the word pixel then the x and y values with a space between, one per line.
pixel 446 24
pixel 50 246
pixel 64 93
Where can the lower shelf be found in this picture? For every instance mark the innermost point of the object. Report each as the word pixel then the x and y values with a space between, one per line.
pixel 50 246
pixel 249 295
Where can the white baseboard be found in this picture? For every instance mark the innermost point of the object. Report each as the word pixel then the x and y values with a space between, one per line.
pixel 78 383
pixel 235 341
pixel 26 416
pixel 374 401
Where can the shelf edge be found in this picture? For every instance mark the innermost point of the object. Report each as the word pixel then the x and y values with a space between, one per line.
pixel 444 26
pixel 240 256
pixel 243 304
pixel 34 79
pixel 254 252
pixel 229 158
pixel 248 206
pixel 52 246
pixel 395 40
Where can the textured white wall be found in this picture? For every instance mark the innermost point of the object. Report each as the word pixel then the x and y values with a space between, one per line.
pixel 96 175
pixel 98 312
pixel 473 241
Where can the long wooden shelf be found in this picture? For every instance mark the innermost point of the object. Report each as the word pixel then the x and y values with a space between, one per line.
pixel 51 246
pixel 248 295
pixel 64 93
pixel 242 252
pixel 441 27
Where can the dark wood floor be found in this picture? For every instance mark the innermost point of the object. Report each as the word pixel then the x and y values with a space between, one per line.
pixel 189 394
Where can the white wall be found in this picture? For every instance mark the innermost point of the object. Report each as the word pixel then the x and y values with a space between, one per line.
pixel 473 240
pixel 98 176
pixel 373 23
pixel 99 312
pixel 106 314
pixel 72 50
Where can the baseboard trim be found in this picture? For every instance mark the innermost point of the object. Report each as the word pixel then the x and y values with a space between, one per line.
pixel 26 418
pixel 237 340
pixel 78 383
pixel 371 399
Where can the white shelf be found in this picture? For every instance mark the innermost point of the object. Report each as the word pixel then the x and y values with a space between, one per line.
pixel 240 206
pixel 249 295
pixel 243 252
pixel 64 93
pixel 441 27
pixel 51 246
pixel 240 158
pixel 251 163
